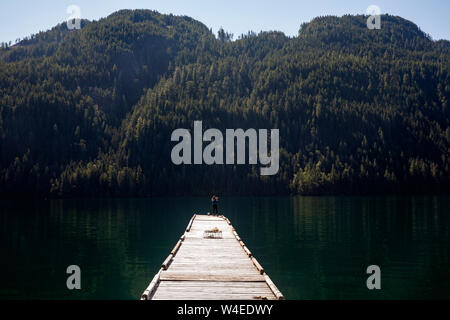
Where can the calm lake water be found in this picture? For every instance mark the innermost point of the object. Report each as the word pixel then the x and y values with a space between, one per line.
pixel 311 247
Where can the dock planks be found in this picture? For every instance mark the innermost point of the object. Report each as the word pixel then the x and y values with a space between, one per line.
pixel 199 268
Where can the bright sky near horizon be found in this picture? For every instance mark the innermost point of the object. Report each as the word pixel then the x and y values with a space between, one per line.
pixel 20 18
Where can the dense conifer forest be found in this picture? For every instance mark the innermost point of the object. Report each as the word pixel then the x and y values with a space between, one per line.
pixel 90 112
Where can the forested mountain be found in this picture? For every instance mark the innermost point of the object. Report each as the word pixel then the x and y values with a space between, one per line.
pixel 90 112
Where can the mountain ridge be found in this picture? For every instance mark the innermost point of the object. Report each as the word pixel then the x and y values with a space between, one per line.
pixel 360 111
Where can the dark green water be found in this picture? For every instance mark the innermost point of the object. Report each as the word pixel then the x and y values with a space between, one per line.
pixel 312 248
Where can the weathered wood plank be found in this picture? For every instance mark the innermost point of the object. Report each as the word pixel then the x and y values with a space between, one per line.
pixel 207 259
pixel 258 266
pixel 166 262
pixel 177 246
pixel 151 287
pixel 247 251
pixel 206 284
pixel 201 268
pixel 190 223
pixel 215 296
pixel 217 292
pixel 194 276
pixel 224 263
pixel 224 289
pixel 274 288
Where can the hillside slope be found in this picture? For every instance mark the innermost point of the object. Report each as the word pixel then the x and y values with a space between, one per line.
pixel 359 111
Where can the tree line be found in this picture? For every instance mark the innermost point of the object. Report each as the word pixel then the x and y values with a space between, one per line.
pixel 90 112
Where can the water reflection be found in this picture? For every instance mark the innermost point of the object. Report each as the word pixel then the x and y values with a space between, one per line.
pixel 312 247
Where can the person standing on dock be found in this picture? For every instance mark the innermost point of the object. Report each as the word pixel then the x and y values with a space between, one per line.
pixel 214 201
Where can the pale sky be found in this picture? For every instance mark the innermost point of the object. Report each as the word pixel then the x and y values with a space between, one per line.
pixel 20 18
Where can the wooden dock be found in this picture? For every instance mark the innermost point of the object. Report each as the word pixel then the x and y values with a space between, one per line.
pixel 200 268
